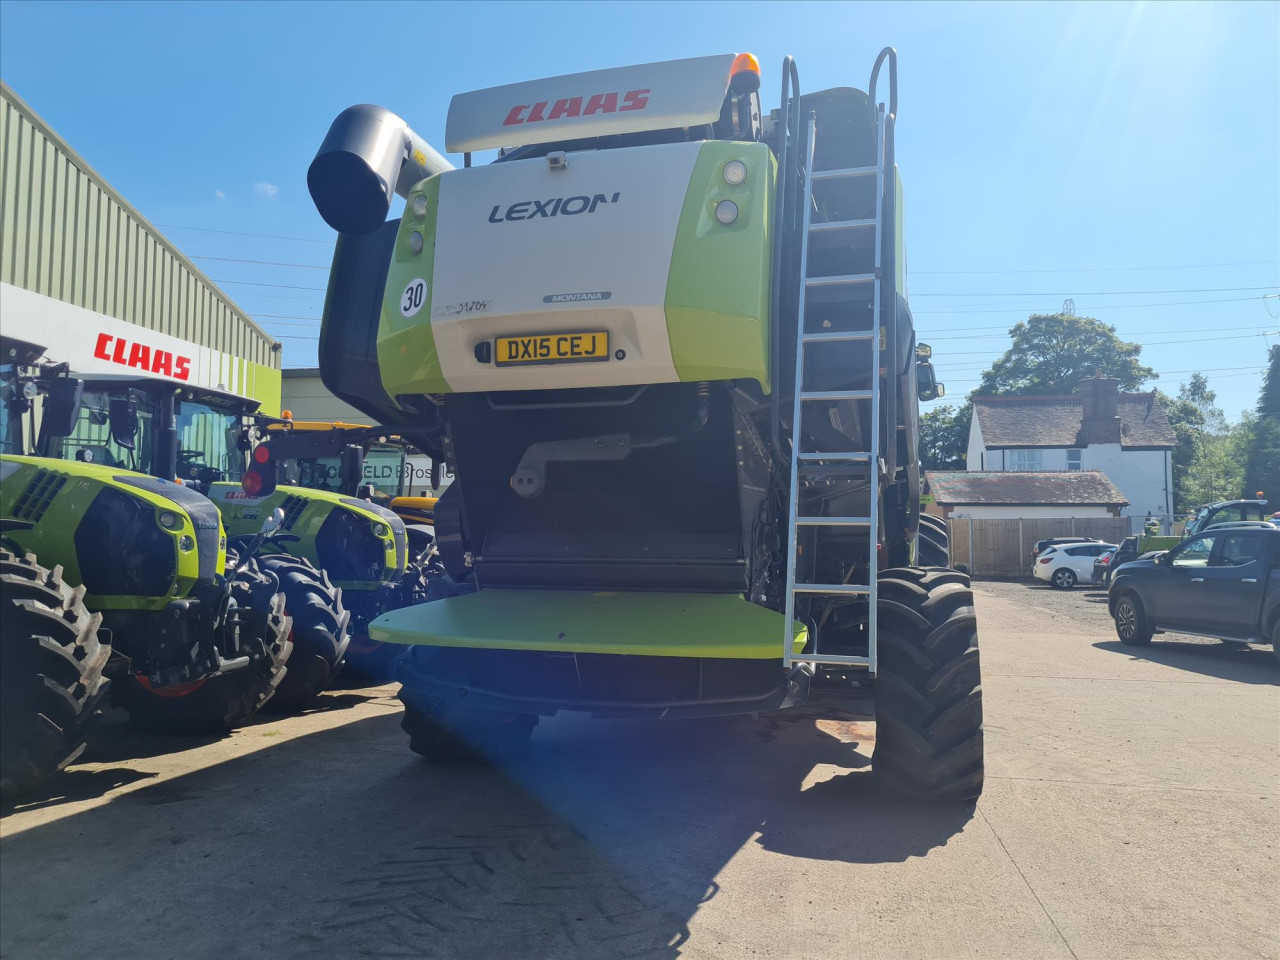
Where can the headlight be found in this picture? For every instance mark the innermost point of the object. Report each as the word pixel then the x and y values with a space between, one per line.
pixel 170 520
pixel 415 242
pixel 419 206
pixel 381 530
pixel 726 212
pixel 186 544
pixel 735 172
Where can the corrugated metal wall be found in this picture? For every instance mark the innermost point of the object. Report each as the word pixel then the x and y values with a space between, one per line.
pixel 65 233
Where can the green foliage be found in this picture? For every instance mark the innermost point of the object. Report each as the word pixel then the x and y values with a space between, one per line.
pixel 1052 353
pixel 1187 421
pixel 944 437
pixel 1262 466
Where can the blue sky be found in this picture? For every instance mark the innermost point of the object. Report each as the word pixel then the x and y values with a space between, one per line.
pixel 1124 155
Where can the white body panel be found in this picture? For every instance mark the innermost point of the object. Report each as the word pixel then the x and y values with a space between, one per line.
pixel 650 96
pixel 494 279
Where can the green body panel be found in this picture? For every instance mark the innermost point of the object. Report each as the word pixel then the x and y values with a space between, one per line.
pixel 1157 543
pixel 407 357
pixel 716 625
pixel 242 516
pixel 52 539
pixel 717 301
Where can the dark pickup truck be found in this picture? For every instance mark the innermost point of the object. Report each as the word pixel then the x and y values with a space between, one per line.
pixel 1222 583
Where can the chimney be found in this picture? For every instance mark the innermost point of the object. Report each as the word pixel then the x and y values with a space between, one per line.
pixel 1101 400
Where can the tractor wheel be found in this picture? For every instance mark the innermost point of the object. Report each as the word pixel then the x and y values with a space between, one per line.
pixel 933 544
pixel 51 664
pixel 929 687
pixel 460 734
pixel 319 635
pixel 216 704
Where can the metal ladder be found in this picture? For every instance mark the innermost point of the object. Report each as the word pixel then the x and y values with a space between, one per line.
pixel 811 461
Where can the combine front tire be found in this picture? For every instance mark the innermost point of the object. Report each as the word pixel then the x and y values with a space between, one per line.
pixel 217 704
pixel 933 544
pixel 51 664
pixel 319 636
pixel 454 733
pixel 928 688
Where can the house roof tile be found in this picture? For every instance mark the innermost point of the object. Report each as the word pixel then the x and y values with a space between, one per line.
pixel 1076 487
pixel 1056 421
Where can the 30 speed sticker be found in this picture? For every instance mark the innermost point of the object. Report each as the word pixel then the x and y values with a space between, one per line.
pixel 414 296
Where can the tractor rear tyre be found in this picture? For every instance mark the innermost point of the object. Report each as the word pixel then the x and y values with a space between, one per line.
pixel 217 704
pixel 933 545
pixel 320 630
pixel 462 734
pixel 929 687
pixel 51 664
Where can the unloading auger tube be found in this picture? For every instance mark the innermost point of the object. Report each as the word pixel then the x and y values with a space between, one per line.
pixel 368 154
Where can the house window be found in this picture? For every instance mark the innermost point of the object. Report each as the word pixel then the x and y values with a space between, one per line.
pixel 1073 459
pixel 1024 460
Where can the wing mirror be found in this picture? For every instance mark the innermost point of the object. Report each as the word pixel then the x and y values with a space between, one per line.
pixel 122 414
pixel 272 523
pixel 61 410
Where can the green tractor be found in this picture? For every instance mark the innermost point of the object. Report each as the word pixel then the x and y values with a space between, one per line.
pixel 368 465
pixel 109 573
pixel 660 292
pixel 199 438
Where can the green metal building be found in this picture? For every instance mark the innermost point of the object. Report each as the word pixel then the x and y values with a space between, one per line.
pixel 86 275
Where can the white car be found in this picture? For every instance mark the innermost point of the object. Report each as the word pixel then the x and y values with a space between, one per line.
pixel 1068 564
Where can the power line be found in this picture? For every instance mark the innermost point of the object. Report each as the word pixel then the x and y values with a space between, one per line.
pixel 278 286
pixel 235 233
pixel 1113 306
pixel 1102 293
pixel 1177 266
pixel 265 263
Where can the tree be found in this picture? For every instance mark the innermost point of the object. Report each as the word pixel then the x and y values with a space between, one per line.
pixel 944 437
pixel 1187 421
pixel 1262 464
pixel 1052 353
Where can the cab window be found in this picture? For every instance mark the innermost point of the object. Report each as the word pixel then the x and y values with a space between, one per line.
pixel 1238 551
pixel 1193 553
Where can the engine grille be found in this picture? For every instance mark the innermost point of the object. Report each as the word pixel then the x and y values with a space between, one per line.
pixel 35 500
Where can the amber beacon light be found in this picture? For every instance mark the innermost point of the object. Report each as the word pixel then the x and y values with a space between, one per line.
pixel 744 75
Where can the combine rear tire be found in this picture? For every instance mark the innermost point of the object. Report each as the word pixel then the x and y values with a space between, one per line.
pixel 51 664
pixel 929 687
pixel 217 704
pixel 319 635
pixel 933 545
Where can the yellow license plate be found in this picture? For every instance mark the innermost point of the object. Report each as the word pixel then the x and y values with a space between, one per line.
pixel 552 348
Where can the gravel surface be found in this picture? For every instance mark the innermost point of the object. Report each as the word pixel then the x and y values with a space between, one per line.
pixel 1132 810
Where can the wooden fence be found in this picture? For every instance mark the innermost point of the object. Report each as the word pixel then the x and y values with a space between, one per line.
pixel 1002 548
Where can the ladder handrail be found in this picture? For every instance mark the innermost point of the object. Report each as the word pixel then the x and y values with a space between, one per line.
pixel 891 54
pixel 782 211
pixel 797 414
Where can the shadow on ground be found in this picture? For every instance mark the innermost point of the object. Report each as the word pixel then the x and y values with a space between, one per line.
pixel 601 842
pixel 1227 661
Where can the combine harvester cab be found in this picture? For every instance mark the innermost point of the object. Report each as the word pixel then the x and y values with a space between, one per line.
pixel 197 647
pixel 664 346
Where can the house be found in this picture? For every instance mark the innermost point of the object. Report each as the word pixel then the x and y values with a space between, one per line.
pixel 1020 494
pixel 1125 436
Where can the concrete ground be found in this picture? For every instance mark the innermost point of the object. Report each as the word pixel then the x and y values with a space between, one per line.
pixel 1132 810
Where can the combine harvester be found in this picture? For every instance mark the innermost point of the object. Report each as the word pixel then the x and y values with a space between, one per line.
pixel 660 295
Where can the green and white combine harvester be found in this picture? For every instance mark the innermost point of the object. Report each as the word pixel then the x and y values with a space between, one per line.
pixel 663 344
pixel 110 574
